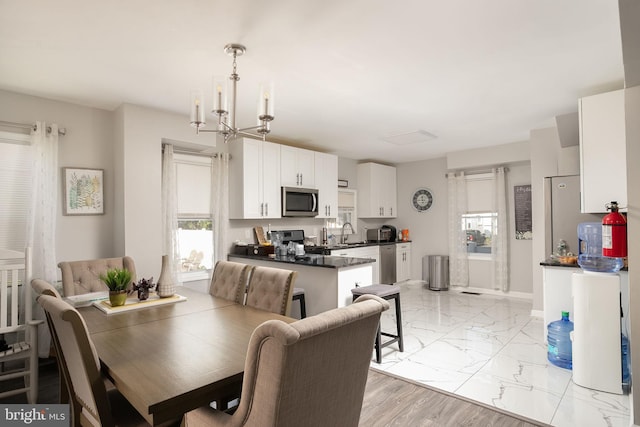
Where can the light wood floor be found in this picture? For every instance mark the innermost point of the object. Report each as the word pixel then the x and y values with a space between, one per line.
pixel 391 401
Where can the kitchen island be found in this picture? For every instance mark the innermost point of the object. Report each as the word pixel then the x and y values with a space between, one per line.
pixel 326 280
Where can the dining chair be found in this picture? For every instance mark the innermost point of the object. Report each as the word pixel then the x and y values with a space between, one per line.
pixel 229 280
pixel 271 289
pixel 42 287
pixel 98 406
pixel 20 357
pixel 308 373
pixel 82 277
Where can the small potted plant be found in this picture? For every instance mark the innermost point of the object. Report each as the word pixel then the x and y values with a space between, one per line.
pixel 143 286
pixel 117 280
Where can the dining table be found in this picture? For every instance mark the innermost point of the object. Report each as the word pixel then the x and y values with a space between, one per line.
pixel 169 359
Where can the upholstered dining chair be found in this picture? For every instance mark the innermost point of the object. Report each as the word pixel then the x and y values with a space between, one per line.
pixel 82 277
pixel 270 289
pixel 20 357
pixel 82 366
pixel 229 280
pixel 42 287
pixel 308 373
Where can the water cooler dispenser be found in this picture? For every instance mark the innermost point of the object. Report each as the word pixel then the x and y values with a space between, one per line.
pixel 597 357
pixel 596 338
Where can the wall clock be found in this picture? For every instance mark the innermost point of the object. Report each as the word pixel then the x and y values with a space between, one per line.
pixel 422 199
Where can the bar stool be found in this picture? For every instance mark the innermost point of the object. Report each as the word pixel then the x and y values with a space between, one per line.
pixel 298 294
pixel 385 292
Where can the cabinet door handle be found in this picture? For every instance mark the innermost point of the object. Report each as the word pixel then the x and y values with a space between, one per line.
pixel 391 209
pixel 300 179
pixel 261 209
pixel 266 209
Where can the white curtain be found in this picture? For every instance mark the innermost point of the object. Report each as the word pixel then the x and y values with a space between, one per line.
pixel 41 222
pixel 458 258
pixel 499 246
pixel 170 212
pixel 220 205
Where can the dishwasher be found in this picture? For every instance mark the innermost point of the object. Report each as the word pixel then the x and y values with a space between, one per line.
pixel 388 264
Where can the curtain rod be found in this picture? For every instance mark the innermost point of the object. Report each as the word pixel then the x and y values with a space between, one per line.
pixel 476 172
pixel 61 131
pixel 178 150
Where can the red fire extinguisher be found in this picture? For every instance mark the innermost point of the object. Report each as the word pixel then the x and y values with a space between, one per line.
pixel 614 233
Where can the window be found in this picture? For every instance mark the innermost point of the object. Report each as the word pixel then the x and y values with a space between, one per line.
pixel 195 240
pixel 195 225
pixel 480 231
pixel 346 213
pixel 479 222
pixel 15 189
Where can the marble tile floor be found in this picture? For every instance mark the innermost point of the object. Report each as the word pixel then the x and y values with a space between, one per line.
pixel 488 348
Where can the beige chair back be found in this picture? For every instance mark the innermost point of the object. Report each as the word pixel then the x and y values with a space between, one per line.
pixel 82 277
pixel 42 287
pixel 79 354
pixel 270 289
pixel 229 280
pixel 308 373
pixel 16 323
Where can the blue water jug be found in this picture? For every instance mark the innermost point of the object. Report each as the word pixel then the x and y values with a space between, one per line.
pixel 626 377
pixel 590 250
pixel 559 342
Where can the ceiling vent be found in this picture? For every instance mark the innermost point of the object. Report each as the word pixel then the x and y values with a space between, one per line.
pixel 410 138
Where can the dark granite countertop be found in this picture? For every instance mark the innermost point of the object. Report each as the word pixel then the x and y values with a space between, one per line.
pixel 311 260
pixel 559 264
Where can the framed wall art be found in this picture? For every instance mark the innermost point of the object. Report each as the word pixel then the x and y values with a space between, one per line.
pixel 83 191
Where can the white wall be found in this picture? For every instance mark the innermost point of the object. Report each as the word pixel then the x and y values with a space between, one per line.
pixel 88 144
pixel 427 230
pixel 632 109
pixel 515 152
pixel 139 149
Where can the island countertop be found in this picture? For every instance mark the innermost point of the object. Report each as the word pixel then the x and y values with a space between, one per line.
pixel 311 260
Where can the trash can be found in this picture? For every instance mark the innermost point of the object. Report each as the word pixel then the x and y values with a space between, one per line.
pixel 438 272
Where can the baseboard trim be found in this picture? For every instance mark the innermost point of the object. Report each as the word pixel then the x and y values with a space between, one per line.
pixel 537 313
pixel 495 292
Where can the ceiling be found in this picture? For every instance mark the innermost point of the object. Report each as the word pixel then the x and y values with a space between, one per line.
pixel 348 74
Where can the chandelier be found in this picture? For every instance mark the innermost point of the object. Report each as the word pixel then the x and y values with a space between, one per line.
pixel 225 111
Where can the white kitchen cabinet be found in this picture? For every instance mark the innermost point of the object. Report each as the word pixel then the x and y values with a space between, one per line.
pixel 603 172
pixel 254 179
pixel 376 191
pixel 326 179
pixel 371 252
pixel 403 261
pixel 297 167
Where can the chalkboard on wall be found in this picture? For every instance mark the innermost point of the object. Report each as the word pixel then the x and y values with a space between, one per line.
pixel 522 205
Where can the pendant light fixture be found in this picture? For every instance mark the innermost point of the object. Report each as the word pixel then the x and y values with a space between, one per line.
pixel 226 111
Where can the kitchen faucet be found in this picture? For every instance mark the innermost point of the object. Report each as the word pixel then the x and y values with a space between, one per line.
pixel 342 236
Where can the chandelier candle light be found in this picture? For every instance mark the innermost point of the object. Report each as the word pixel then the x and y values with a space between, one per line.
pixel 227 113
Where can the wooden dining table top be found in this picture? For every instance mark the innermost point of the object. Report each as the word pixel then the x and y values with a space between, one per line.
pixel 169 359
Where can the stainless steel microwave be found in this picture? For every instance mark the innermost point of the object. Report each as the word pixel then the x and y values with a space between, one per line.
pixel 299 201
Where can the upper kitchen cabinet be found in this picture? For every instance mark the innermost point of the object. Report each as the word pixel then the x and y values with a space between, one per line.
pixel 326 179
pixel 297 166
pixel 603 172
pixel 376 191
pixel 254 179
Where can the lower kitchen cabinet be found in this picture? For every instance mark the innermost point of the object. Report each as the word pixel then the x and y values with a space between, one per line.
pixel 372 252
pixel 403 262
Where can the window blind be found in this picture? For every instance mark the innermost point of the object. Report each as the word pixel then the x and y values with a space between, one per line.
pixel 15 189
